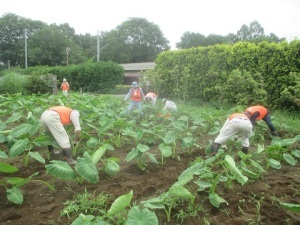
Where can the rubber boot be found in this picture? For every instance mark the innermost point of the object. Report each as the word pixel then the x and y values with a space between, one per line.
pixel 68 157
pixel 245 150
pixel 52 151
pixel 214 148
pixel 275 133
pixel 50 148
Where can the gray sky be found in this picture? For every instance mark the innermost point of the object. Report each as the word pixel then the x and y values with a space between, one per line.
pixel 173 17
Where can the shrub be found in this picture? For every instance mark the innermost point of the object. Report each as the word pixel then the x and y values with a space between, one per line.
pixel 12 83
pixel 39 84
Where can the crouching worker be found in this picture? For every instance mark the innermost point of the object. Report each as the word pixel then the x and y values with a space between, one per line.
pixel 151 98
pixel 257 113
pixel 236 123
pixel 53 120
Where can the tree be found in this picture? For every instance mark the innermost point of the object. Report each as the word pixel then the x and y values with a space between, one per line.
pixel 135 40
pixel 191 39
pixel 12 37
pixel 214 39
pixel 47 47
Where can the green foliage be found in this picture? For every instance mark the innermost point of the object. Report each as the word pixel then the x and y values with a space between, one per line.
pixel 267 73
pixel 12 83
pixel 135 40
pixel 242 86
pixel 38 84
pixel 88 203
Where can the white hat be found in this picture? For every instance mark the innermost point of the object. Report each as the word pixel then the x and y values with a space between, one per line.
pixel 64 79
pixel 134 84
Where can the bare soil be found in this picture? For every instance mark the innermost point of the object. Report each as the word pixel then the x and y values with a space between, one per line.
pixel 252 203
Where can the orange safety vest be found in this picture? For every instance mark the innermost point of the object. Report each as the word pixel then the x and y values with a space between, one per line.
pixel 262 111
pixel 65 86
pixel 64 113
pixel 237 115
pixel 136 94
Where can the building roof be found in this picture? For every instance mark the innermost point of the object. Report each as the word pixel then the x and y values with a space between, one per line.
pixel 138 66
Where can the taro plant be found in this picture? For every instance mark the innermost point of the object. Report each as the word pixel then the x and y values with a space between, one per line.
pixel 165 152
pixel 170 139
pixel 188 142
pixel 170 199
pixel 13 184
pixel 85 170
pixel 138 154
pixel 116 212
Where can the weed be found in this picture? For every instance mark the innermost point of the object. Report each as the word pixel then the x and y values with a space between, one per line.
pixel 86 203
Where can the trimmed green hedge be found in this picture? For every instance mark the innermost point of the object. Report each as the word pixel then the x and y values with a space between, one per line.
pixel 265 73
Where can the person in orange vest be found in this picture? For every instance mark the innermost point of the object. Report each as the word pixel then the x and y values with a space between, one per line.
pixel 136 96
pixel 257 113
pixel 53 121
pixel 65 87
pixel 235 123
pixel 151 97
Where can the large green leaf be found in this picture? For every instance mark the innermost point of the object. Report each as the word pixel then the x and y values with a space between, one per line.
pixel 180 192
pixel 87 169
pixel 152 157
pixel 290 206
pixel 111 167
pixel 202 185
pixel 37 156
pixel 216 200
pixel 132 154
pixel 7 168
pixel 34 128
pixel 170 137
pixel 3 155
pixel 154 203
pixel 274 164
pixel 92 142
pixel 20 130
pixel 19 147
pixel 296 153
pixel 235 171
pixel 120 204
pixel 97 155
pixel 15 195
pixel 289 159
pixel 19 181
pixel 137 216
pixel 142 148
pixel 165 150
pixel 43 140
pixel 14 118
pixel 60 170
pixel 88 220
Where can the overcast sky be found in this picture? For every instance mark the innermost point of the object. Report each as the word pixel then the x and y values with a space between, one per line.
pixel 173 17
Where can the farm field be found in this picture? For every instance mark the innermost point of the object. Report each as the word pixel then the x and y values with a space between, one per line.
pixel 150 158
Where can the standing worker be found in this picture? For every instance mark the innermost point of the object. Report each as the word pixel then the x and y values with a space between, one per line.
pixel 235 123
pixel 150 97
pixel 65 87
pixel 136 95
pixel 53 120
pixel 257 113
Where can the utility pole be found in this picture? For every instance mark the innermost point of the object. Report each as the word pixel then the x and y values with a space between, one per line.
pixel 98 46
pixel 25 48
pixel 67 51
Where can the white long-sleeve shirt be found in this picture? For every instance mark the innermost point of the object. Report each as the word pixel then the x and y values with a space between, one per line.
pixel 169 105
